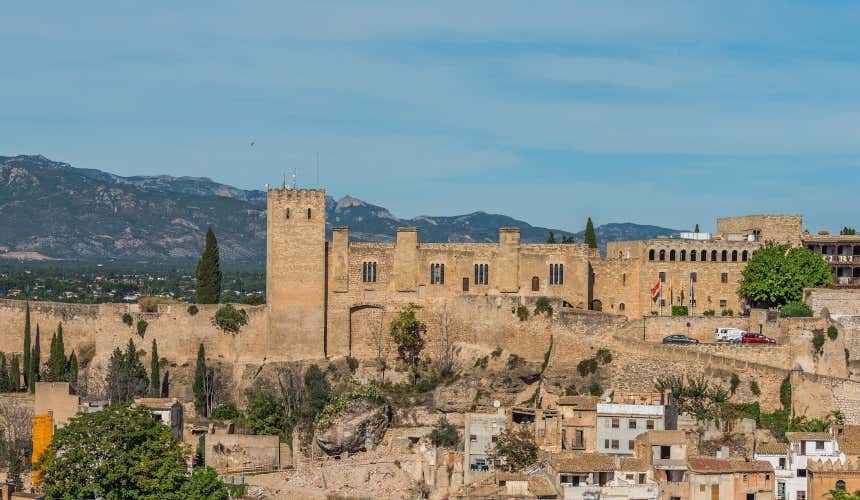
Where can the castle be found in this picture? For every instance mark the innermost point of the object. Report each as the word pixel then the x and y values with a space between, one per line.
pixel 329 298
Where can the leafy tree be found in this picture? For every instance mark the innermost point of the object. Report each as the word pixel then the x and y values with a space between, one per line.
pixel 27 340
pixel 444 434
pixel 542 306
pixel 590 236
pixel 209 271
pixel 264 414
pixel 795 309
pixel 551 238
pixel 514 450
pixel 317 393
pixel 226 412
pixel 5 381
pixel 406 331
pixel 72 370
pixel 121 452
pixel 126 378
pixel 777 274
pixel 14 374
pixel 844 495
pixel 154 373
pixel 230 319
pixel 785 393
pixel 15 468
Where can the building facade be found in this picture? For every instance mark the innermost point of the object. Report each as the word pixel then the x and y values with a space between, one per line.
pixel 618 425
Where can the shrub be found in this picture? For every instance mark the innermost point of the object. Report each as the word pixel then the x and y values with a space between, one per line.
pixel 495 354
pixel 481 363
pixel 785 393
pixel 604 356
pixel 141 327
pixel 225 412
pixel 727 312
pixel 444 434
pixel 127 319
pixel 253 300
pixel 586 367
pixel 594 389
pixel 679 310
pixel 734 383
pixel 230 319
pixel 352 363
pixel 522 312
pixel 754 388
pixel 542 306
pixel 515 361
pixel 832 332
pixel 817 341
pixel 192 310
pixel 709 312
pixel 795 309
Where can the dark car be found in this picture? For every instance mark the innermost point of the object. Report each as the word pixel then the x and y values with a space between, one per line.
pixel 757 338
pixel 679 339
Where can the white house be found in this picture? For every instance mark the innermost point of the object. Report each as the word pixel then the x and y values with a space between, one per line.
pixel 791 461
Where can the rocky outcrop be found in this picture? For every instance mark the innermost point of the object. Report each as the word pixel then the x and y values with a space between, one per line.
pixel 350 430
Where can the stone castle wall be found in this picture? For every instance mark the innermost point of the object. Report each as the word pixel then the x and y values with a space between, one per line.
pixel 779 228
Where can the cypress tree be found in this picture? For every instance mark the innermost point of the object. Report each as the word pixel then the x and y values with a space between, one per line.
pixel 4 374
pixel 199 386
pixel 208 272
pixel 590 237
pixel 14 374
pixel 551 238
pixel 36 357
pixel 56 370
pixel 697 229
pixel 27 346
pixel 154 375
pixel 72 370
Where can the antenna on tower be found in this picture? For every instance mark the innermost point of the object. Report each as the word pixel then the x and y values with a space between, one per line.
pixel 284 186
pixel 294 178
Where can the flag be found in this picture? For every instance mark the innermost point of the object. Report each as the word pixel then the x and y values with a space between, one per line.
pixel 655 289
pixel 671 295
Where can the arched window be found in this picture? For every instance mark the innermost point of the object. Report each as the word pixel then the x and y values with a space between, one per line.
pixel 309 214
pixel 704 254
pixel 692 256
pixel 683 255
pixel 744 256
pixel 840 485
pixel 734 255
pixel 672 255
pixel 662 254
pixel 621 306
pixel 651 254
pixel 713 255
pixel 724 256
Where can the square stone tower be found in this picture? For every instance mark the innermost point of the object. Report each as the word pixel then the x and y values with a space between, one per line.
pixel 296 272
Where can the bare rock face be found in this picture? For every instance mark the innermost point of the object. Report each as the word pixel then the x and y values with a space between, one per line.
pixel 350 429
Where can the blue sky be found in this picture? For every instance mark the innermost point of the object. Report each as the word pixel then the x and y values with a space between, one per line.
pixel 668 113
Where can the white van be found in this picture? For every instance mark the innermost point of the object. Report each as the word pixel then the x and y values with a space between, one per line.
pixel 729 334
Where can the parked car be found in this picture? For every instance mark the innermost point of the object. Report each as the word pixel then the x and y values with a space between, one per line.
pixel 757 338
pixel 679 339
pixel 729 334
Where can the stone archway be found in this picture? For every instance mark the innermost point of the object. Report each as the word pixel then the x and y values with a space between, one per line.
pixel 366 330
pixel 596 305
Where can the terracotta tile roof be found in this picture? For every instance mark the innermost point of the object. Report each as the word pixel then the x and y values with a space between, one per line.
pixel 708 465
pixel 541 487
pixel 808 436
pixel 772 449
pixel 510 476
pixel 849 441
pixel 580 402
pixel 595 462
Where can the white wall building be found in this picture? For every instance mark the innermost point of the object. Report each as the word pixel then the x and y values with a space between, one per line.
pixel 791 461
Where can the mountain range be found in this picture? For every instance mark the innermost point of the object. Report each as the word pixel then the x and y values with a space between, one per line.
pixel 52 210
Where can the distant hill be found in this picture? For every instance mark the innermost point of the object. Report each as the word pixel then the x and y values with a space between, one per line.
pixel 55 210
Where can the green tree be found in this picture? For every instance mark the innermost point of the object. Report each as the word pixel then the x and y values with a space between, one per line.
pixel 72 370
pixel 590 236
pixel 209 271
pixel 203 385
pixel 516 450
pixel 317 393
pixel 14 374
pixel 444 434
pixel 204 484
pixel 406 331
pixel 15 468
pixel 264 414
pixel 696 230
pixel 848 231
pixel 551 238
pixel 27 341
pixel 126 378
pixel 35 361
pixel 154 372
pixel 56 369
pixel 777 274
pixel 5 381
pixel 121 452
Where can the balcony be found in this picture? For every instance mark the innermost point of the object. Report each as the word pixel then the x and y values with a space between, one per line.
pixel 841 259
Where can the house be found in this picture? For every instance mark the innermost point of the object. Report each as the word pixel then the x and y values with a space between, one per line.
pixel 168 410
pixel 666 452
pixel 618 424
pixel 823 477
pixel 511 485
pixel 789 485
pixel 7 492
pixel 481 430
pixel 578 422
pixel 718 478
pixel 599 475
pixel 791 462
pixel 56 399
pixel 544 424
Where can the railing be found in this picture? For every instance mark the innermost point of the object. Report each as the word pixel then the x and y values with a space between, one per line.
pixel 841 259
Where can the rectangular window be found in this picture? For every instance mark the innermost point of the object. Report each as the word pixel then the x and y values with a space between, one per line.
pixel 693 277
pixel 723 303
pixel 606 443
pixel 616 423
pixel 724 278
pixel 649 424
pixel 615 444
pixel 556 274
pixel 368 272
pixel 662 277
pixel 631 424
pixel 482 272
pixel 437 274
pixel 819 445
pixel 801 495
pixel 630 445
pixel 801 472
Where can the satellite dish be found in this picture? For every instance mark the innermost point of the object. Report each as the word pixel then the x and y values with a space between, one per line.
pixel 497 403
